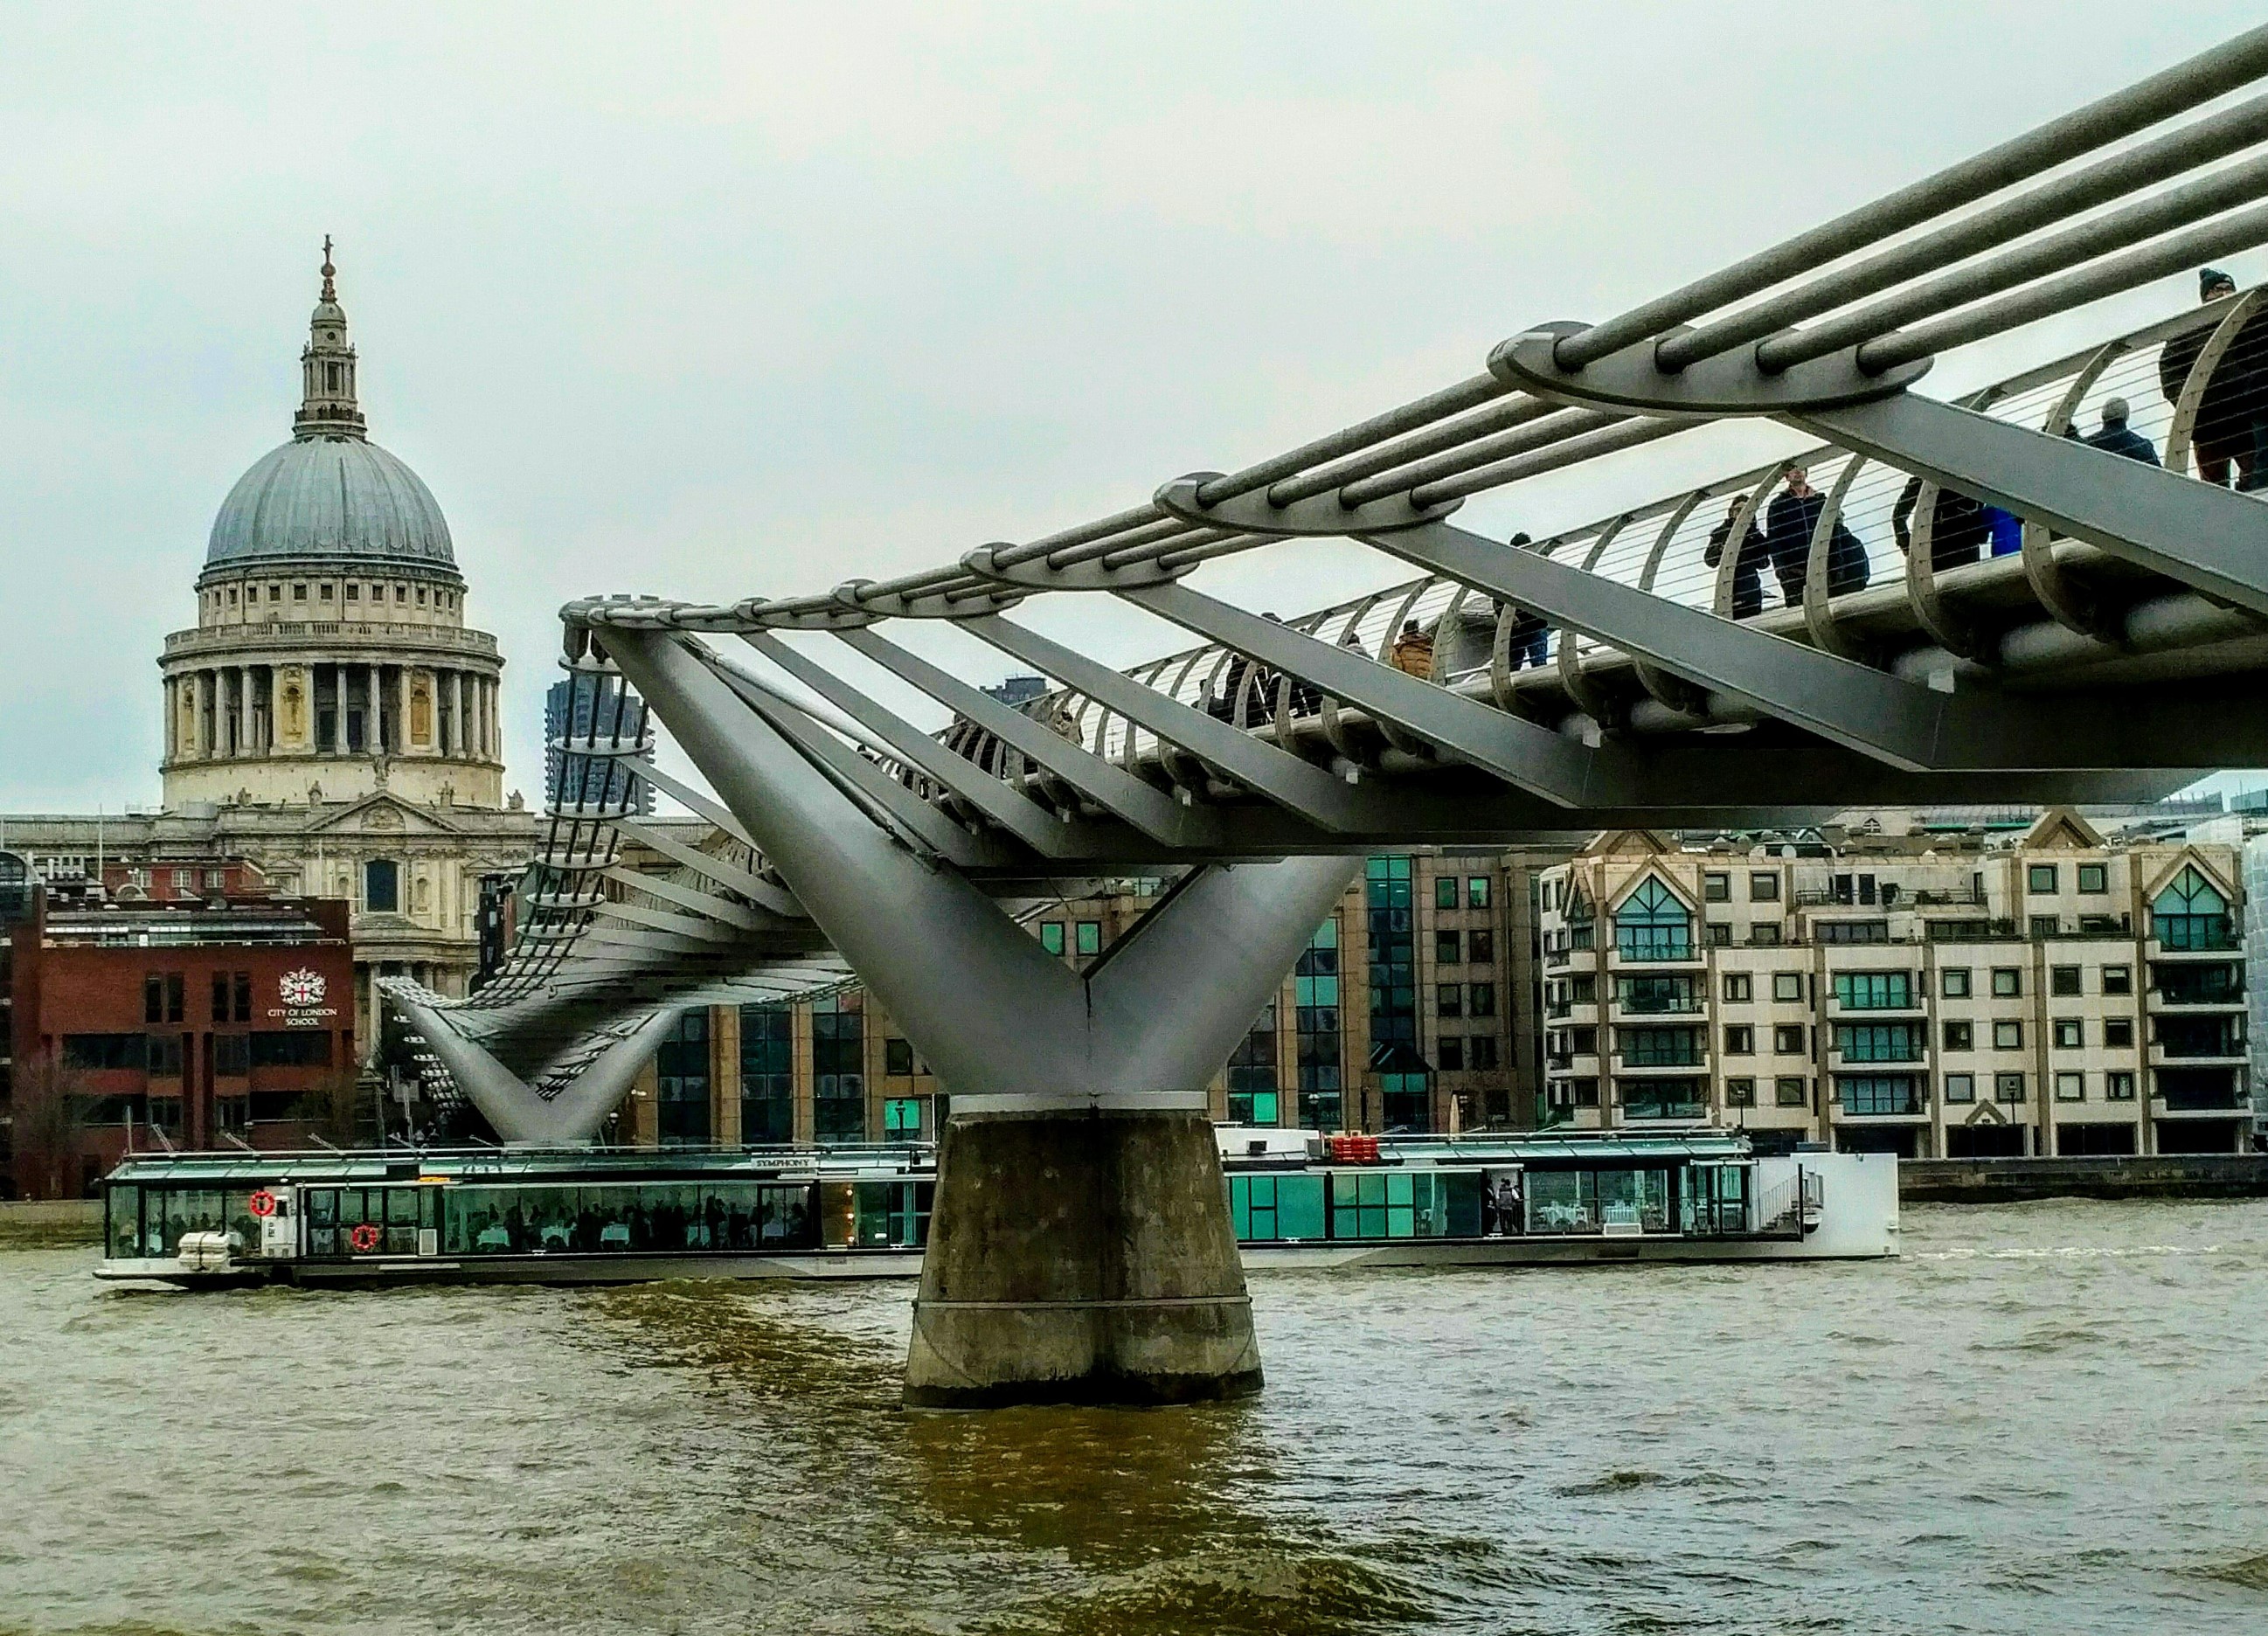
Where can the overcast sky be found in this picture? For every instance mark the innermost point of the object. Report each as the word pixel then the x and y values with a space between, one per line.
pixel 749 301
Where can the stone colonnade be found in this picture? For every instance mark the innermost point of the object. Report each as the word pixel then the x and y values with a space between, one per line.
pixel 214 712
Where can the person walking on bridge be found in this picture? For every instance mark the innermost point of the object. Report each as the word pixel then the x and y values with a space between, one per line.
pixel 1790 521
pixel 2231 433
pixel 1413 651
pixel 1748 562
pixel 2116 437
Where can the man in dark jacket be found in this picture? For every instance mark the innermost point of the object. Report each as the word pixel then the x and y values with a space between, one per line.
pixel 1790 521
pixel 2231 421
pixel 2118 437
pixel 1958 525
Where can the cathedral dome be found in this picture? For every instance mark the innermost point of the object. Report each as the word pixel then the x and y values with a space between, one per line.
pixel 330 494
pixel 330 498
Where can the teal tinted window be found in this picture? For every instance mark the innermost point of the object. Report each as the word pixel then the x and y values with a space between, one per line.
pixel 1299 1206
pixel 1652 925
pixel 1368 1206
pixel 1879 1042
pixel 1269 1208
pixel 2191 913
pixel 1875 990
pixel 1878 1093
pixel 890 1215
pixel 1052 936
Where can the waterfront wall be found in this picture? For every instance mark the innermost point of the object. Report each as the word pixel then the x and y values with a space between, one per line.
pixel 2165 1176
pixel 32 1223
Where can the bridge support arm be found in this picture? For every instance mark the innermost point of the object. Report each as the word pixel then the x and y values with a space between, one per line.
pixel 514 1110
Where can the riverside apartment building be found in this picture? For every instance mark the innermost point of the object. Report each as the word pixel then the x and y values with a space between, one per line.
pixel 2053 992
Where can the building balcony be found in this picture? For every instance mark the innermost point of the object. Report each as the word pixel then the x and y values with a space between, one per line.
pixel 2157 1003
pixel 1693 959
pixel 2194 1105
pixel 2219 946
pixel 1839 1011
pixel 1919 1063
pixel 1627 1009
pixel 1696 1064
pixel 2221 1054
pixel 1915 1110
pixel 1572 960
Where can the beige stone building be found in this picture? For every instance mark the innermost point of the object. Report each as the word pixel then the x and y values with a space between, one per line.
pixel 331 718
pixel 2053 993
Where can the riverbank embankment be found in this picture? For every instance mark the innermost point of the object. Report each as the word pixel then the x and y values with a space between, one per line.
pixel 2157 1175
pixel 47 1224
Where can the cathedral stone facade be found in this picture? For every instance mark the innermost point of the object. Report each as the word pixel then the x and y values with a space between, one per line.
pixel 330 658
pixel 331 718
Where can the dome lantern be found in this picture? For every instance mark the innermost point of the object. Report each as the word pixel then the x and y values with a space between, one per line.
pixel 327 408
pixel 330 496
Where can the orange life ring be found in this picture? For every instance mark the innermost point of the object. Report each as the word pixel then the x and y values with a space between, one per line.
pixel 364 1238
pixel 261 1203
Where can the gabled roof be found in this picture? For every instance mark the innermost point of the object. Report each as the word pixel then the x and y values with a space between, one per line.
pixel 401 817
pixel 1627 844
pixel 2060 829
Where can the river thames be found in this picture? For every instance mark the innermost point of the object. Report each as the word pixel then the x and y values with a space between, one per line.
pixel 2043 1416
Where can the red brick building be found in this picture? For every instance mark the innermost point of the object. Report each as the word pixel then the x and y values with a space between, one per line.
pixel 197 1024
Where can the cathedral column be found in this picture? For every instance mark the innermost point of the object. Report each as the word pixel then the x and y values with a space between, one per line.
pixel 493 726
pixel 208 707
pixel 241 709
pixel 457 714
pixel 272 695
pixel 172 720
pixel 374 716
pixel 401 705
pixel 338 708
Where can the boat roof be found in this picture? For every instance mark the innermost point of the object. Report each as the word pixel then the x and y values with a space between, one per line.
pixel 403 1164
pixel 1241 1147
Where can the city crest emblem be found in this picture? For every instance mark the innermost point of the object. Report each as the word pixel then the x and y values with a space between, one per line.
pixel 301 987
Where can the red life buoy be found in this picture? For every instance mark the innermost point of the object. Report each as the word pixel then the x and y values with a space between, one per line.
pixel 261 1203
pixel 364 1238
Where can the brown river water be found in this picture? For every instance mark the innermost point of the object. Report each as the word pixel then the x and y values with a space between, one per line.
pixel 2043 1418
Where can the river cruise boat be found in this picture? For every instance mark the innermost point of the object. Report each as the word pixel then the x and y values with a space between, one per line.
pixel 1299 1200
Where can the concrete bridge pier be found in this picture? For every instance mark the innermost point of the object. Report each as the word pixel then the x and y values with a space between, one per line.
pixel 1080 1257
pixel 1080 1248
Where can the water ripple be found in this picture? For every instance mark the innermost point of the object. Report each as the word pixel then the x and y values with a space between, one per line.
pixel 2024 1425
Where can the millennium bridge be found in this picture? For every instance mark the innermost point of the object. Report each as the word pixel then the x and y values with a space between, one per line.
pixel 2046 591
